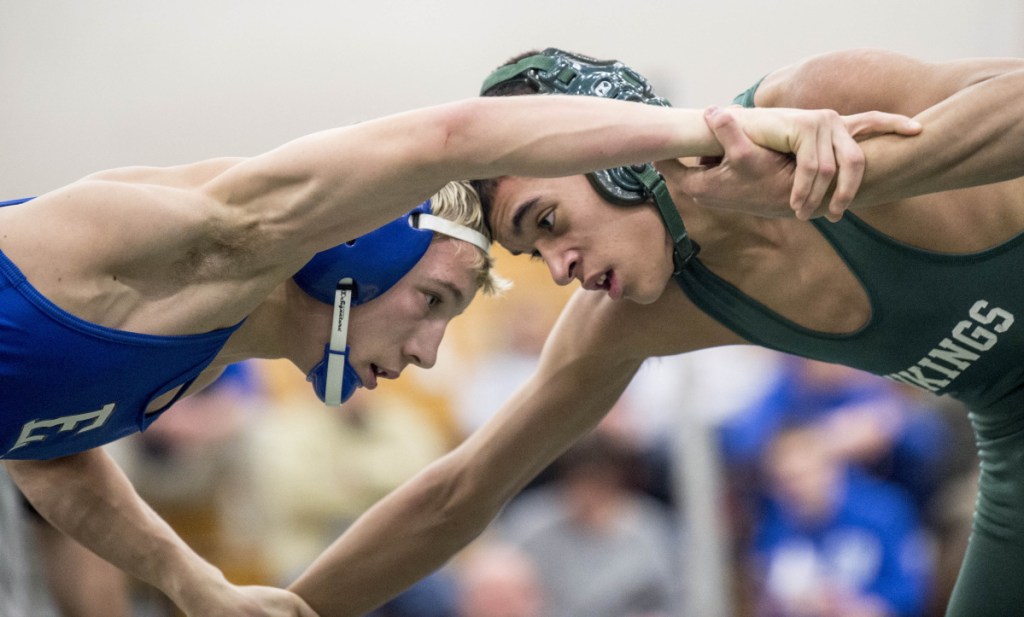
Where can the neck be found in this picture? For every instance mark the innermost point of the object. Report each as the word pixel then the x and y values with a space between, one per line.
pixel 723 234
pixel 288 324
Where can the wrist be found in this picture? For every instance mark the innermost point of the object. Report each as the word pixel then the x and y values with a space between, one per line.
pixel 188 580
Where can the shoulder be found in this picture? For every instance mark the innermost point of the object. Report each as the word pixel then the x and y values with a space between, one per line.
pixel 863 79
pixel 813 82
pixel 137 219
pixel 594 326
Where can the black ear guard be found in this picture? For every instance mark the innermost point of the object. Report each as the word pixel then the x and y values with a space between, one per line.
pixel 554 71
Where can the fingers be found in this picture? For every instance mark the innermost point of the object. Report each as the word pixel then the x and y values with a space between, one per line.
pixel 815 166
pixel 825 171
pixel 850 157
pixel 850 162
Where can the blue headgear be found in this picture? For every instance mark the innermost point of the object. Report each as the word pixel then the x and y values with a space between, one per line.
pixel 560 72
pixel 359 271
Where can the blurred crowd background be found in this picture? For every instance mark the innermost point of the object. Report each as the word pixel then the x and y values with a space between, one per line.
pixel 737 479
pixel 832 493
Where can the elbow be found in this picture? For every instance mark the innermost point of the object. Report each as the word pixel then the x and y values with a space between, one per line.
pixel 459 119
pixel 459 131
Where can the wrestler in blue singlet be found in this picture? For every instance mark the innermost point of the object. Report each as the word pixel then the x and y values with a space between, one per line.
pixel 67 385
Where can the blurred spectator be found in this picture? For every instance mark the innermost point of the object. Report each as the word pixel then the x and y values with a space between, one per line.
pixel 866 419
pixel 498 580
pixel 433 596
pixel 833 542
pixel 495 373
pixel 601 549
pixel 890 431
pixel 192 466
pixel 319 468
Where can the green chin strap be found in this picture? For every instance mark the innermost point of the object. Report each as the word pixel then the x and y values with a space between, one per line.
pixel 683 247
pixel 554 71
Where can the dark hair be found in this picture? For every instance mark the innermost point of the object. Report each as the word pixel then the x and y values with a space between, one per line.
pixel 513 87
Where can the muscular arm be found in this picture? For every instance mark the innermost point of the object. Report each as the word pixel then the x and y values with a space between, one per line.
pixel 322 189
pixel 584 368
pixel 331 186
pixel 88 497
pixel 971 111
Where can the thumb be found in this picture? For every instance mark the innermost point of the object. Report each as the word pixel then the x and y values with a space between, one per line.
pixel 872 123
pixel 727 131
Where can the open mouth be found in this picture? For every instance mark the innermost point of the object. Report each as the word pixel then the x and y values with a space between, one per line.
pixel 606 281
pixel 376 373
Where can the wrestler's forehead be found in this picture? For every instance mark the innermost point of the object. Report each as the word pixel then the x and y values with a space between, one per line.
pixel 514 202
pixel 451 266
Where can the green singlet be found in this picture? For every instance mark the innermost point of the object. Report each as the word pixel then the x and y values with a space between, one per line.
pixel 945 323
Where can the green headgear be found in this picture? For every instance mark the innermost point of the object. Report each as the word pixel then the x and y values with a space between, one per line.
pixel 554 71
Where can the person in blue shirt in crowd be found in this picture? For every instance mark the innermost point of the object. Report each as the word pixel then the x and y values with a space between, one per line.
pixel 831 541
pixel 869 421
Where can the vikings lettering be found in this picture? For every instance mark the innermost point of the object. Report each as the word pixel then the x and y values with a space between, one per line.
pixel 966 343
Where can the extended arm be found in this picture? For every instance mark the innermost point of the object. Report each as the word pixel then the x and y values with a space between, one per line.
pixel 587 362
pixel 973 137
pixel 373 171
pixel 88 497
pixel 419 526
pixel 330 186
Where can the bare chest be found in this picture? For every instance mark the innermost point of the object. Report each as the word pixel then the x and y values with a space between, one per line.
pixel 805 282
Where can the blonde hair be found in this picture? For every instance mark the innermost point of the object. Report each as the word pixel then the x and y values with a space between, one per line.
pixel 458 202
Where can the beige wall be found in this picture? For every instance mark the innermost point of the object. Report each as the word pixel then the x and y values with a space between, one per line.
pixel 101 83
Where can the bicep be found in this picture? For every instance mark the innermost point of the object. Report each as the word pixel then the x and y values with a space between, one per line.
pixel 860 80
pixel 969 110
pixel 53 486
pixel 577 381
pixel 591 356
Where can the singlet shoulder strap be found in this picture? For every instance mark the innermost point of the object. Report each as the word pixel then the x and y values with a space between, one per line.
pixel 14 202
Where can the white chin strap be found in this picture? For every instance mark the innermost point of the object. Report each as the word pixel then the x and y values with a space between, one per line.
pixel 343 302
pixel 339 342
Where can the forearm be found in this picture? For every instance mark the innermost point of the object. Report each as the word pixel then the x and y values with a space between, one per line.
pixel 974 137
pixel 315 187
pixel 418 527
pixel 543 136
pixel 87 497
pixel 551 136
pixel 401 539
